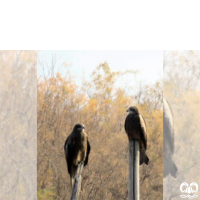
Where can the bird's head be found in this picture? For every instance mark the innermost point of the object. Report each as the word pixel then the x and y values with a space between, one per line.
pixel 79 127
pixel 133 109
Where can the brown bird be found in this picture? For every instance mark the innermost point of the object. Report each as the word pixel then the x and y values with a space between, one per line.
pixel 77 149
pixel 135 128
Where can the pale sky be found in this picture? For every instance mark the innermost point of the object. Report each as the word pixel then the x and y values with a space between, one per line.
pixel 149 63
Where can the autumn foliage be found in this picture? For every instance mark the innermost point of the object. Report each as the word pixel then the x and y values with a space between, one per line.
pixel 100 105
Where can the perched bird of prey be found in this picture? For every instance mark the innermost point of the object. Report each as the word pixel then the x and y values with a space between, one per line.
pixel 135 128
pixel 77 149
pixel 169 166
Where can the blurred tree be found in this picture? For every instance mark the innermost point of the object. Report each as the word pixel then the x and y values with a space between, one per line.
pixel 18 115
pixel 182 90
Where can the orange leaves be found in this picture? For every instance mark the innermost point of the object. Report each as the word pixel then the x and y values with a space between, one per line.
pixel 67 89
pixel 92 106
pixel 108 90
pixel 101 107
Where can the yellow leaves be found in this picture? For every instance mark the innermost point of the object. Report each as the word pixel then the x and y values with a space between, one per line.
pixel 92 105
pixel 108 90
pixel 58 75
pixel 49 191
pixel 101 107
pixel 70 88
pixel 46 194
pixel 65 89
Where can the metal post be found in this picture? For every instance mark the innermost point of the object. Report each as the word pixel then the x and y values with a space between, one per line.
pixel 134 156
pixel 77 183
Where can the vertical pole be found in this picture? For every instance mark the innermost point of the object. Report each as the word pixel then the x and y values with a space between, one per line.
pixel 77 183
pixel 134 157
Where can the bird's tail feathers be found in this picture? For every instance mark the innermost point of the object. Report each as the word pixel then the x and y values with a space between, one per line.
pixel 173 170
pixel 146 160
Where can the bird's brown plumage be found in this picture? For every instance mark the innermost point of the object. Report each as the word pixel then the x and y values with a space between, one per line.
pixel 135 128
pixel 77 149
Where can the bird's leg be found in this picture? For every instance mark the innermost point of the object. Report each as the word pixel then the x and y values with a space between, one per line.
pixel 81 163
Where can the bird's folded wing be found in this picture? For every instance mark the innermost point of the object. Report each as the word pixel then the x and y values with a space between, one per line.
pixel 65 146
pixel 143 130
pixel 88 152
pixel 68 148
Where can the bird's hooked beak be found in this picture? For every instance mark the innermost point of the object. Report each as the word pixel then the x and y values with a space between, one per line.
pixel 81 128
pixel 127 110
